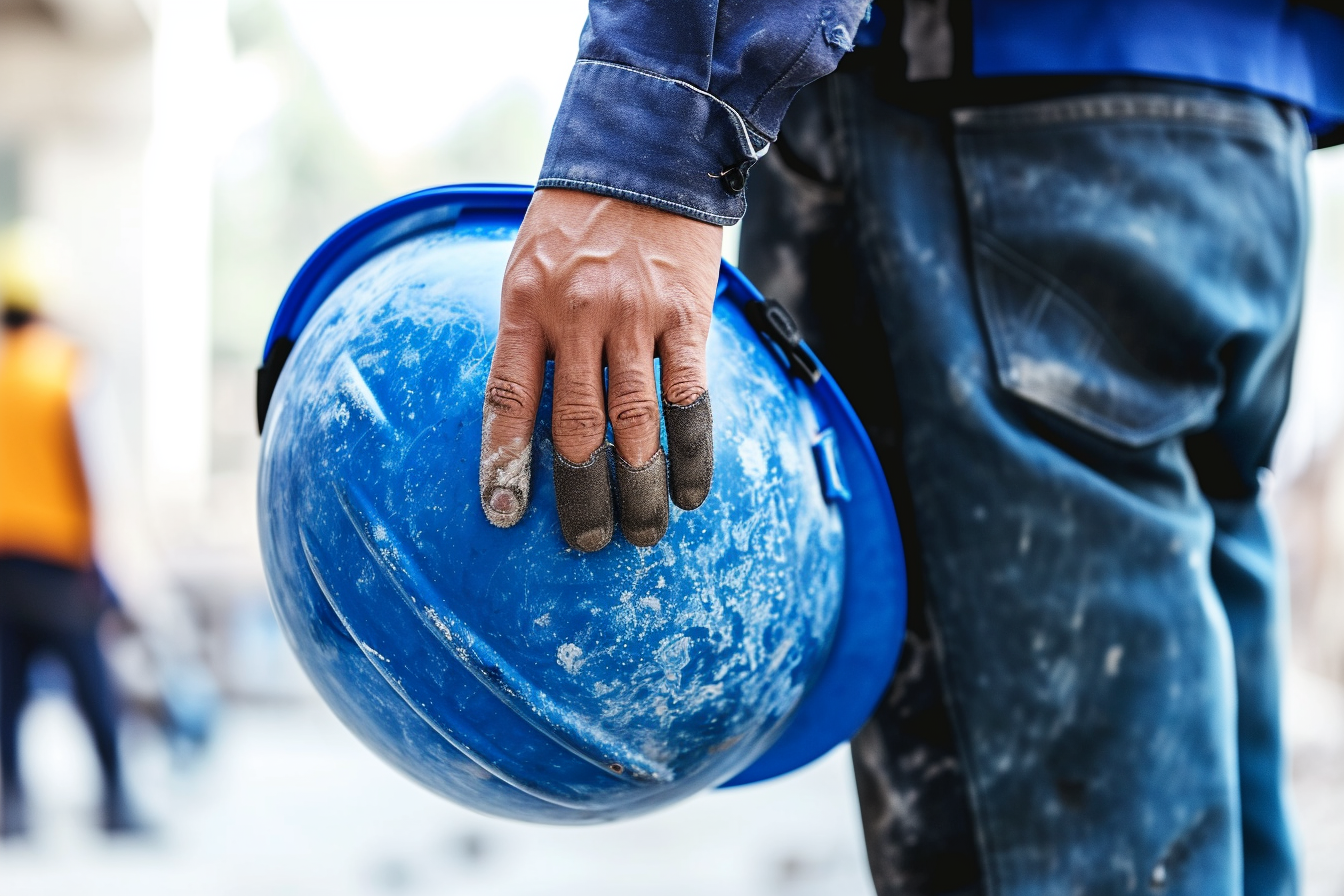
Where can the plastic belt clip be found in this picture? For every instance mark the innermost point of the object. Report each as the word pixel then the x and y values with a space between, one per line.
pixel 831 467
pixel 771 319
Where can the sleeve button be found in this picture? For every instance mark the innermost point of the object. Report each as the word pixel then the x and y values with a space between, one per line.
pixel 734 180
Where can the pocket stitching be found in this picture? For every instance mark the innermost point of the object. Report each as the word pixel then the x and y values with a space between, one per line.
pixel 1092 109
pixel 993 252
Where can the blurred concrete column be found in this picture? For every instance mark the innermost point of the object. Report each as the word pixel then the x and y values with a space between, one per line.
pixel 191 49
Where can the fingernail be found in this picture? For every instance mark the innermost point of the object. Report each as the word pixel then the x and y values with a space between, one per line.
pixel 643 494
pixel 504 501
pixel 505 486
pixel 583 500
pixel 690 450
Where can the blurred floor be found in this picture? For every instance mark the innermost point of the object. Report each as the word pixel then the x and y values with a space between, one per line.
pixel 286 801
pixel 1315 715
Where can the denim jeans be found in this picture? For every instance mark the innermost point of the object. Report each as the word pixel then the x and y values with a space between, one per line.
pixel 1068 325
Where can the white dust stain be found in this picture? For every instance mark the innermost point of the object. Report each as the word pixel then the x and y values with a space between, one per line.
pixel 674 655
pixel 439 624
pixel 543 620
pixel 356 388
pixel 570 657
pixel 367 649
pixel 752 457
pixel 340 413
pixel 1113 657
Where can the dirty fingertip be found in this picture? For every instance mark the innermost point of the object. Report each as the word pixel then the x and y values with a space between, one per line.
pixel 503 506
pixel 690 450
pixel 583 500
pixel 506 486
pixel 643 499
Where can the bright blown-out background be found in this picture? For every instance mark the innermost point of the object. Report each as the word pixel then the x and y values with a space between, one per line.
pixel 184 157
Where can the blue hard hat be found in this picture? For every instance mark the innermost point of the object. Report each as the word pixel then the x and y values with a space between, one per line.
pixel 499 667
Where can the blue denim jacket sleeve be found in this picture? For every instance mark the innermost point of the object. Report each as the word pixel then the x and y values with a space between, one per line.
pixel 671 101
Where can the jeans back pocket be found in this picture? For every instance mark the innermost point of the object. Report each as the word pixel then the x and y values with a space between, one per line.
pixel 1118 243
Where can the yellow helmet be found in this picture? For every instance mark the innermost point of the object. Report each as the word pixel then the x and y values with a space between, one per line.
pixel 27 265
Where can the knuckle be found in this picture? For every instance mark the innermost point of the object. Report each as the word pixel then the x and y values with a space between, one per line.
pixel 523 285
pixel 683 390
pixel 577 422
pixel 628 303
pixel 517 337
pixel 586 290
pixel 632 400
pixel 633 415
pixel 684 379
pixel 507 398
pixel 579 304
pixel 684 313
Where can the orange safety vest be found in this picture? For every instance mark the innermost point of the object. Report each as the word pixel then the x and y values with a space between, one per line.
pixel 45 512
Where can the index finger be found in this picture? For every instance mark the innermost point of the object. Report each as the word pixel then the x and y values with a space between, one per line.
pixel 512 395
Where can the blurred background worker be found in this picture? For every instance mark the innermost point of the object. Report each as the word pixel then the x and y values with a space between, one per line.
pixel 51 594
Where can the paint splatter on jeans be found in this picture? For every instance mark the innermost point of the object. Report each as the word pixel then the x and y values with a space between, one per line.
pixel 1068 326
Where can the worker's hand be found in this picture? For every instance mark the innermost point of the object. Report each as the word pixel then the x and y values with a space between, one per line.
pixel 595 282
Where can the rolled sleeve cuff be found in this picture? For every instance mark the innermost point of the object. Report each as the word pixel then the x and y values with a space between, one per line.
pixel 640 136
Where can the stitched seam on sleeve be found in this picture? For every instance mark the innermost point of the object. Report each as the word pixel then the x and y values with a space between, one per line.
pixel 797 60
pixel 745 130
pixel 723 220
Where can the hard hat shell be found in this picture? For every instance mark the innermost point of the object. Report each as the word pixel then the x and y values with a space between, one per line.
pixel 501 668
